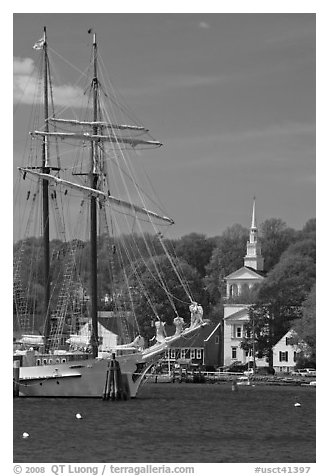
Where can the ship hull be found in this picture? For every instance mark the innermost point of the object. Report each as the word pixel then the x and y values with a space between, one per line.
pixel 84 379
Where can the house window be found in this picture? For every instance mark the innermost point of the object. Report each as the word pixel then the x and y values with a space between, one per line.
pixel 295 356
pixel 172 354
pixel 63 360
pixel 44 361
pixel 238 332
pixel 216 339
pixel 234 352
pixel 283 356
pixel 199 353
pixel 192 355
pixel 182 353
pixel 38 361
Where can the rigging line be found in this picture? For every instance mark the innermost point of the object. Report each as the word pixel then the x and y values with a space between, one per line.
pixel 119 101
pixel 126 280
pixel 163 285
pixel 82 73
pixel 179 277
pixel 139 280
pixel 133 181
pixel 135 270
pixel 53 112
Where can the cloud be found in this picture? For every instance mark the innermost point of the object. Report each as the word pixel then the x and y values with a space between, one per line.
pixel 27 88
pixel 23 66
pixel 204 25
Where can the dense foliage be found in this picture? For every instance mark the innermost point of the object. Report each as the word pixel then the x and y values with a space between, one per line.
pixel 286 296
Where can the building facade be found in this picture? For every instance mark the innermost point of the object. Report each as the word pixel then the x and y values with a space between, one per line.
pixel 286 350
pixel 202 350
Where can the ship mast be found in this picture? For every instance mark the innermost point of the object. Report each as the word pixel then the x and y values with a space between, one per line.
pixel 45 196
pixel 93 209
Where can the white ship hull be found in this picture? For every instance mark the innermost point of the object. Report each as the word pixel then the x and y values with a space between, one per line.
pixel 80 379
pixel 88 378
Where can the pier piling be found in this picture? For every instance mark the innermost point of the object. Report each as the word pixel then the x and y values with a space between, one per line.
pixel 16 368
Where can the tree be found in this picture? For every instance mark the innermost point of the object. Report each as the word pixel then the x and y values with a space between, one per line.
pixel 196 250
pixel 309 227
pixel 267 324
pixel 306 329
pixel 159 292
pixel 226 258
pixel 275 239
pixel 291 280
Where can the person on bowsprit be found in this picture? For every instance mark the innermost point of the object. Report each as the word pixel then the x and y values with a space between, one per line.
pixel 179 323
pixel 196 314
pixel 160 331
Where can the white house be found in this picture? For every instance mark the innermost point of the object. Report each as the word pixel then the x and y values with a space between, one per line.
pixel 239 284
pixel 113 329
pixel 285 352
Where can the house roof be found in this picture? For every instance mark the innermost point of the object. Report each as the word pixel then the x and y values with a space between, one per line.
pixel 195 340
pixel 116 325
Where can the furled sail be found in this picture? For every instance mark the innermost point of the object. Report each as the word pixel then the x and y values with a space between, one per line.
pixel 109 125
pixel 98 137
pixel 98 193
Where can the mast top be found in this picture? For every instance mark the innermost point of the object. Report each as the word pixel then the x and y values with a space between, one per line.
pixel 94 36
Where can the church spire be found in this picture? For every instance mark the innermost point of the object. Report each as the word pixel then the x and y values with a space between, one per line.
pixel 253 219
pixel 253 258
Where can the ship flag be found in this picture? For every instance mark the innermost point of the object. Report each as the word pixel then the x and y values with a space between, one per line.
pixel 39 44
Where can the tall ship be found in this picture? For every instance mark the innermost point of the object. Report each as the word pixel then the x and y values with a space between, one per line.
pixel 98 240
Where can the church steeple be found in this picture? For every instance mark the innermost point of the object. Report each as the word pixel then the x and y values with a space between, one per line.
pixel 253 258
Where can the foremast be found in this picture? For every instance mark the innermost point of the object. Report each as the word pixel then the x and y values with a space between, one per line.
pixel 45 196
pixel 93 209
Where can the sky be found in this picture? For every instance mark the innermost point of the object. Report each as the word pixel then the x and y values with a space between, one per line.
pixel 231 96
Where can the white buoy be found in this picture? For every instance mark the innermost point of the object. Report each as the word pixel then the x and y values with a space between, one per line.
pixel 78 416
pixel 25 435
pixel 297 404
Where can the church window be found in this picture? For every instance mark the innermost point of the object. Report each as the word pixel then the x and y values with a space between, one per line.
pixel 234 351
pixel 192 355
pixel 234 290
pixel 172 353
pixel 199 353
pixel 238 332
pixel 182 353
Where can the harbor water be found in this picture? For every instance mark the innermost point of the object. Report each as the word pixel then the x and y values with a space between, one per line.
pixel 168 423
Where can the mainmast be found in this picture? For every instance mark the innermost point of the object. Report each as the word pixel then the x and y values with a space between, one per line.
pixel 45 196
pixel 93 209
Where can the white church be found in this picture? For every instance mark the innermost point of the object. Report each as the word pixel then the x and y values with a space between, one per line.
pixel 240 283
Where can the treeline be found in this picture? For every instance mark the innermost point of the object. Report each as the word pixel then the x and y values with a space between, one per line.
pixel 124 264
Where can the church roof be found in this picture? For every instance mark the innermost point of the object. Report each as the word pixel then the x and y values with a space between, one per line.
pixel 246 272
pixel 241 314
